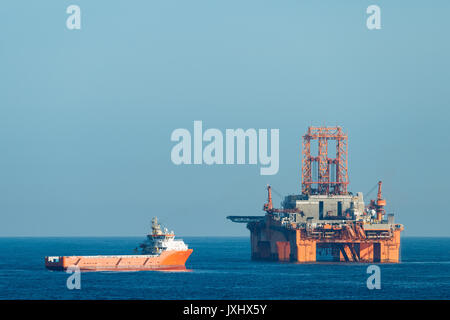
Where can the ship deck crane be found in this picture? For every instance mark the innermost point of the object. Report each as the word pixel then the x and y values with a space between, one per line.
pixel 268 207
pixel 378 205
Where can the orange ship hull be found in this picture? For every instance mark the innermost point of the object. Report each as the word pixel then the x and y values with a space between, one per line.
pixel 167 260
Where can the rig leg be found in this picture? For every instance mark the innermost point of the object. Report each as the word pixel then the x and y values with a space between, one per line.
pixel 284 250
pixel 305 250
pixel 366 252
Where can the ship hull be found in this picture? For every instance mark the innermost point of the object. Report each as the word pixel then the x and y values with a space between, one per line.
pixel 167 260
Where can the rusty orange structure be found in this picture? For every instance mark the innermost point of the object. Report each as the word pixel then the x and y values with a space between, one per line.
pixel 324 222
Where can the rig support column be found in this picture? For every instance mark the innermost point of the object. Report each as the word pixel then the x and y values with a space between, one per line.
pixel 390 249
pixel 305 250
pixel 366 252
pixel 284 250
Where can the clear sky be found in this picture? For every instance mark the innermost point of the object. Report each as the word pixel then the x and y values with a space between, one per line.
pixel 86 115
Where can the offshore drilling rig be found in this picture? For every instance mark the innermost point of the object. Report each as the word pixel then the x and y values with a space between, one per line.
pixel 325 219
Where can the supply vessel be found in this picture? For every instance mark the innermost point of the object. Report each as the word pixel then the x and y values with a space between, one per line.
pixel 325 222
pixel 159 251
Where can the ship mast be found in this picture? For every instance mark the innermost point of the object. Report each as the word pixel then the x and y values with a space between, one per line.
pixel 156 228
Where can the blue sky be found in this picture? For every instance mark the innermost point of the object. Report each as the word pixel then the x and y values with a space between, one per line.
pixel 86 115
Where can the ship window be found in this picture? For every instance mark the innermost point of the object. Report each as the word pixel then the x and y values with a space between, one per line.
pixel 320 209
pixel 339 208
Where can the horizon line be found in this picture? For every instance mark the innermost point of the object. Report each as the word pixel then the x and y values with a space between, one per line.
pixel 181 236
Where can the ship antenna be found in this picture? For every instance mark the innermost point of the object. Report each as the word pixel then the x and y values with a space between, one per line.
pixel 156 228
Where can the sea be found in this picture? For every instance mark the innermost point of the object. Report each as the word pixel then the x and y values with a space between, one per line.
pixel 220 268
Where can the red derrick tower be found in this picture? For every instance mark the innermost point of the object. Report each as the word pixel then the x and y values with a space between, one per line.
pixel 321 174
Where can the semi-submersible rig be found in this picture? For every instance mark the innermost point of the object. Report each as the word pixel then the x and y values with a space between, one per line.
pixel 326 219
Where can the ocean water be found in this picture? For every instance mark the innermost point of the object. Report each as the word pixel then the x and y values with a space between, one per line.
pixel 220 268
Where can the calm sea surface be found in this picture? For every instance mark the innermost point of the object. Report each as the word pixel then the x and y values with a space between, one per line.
pixel 220 268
